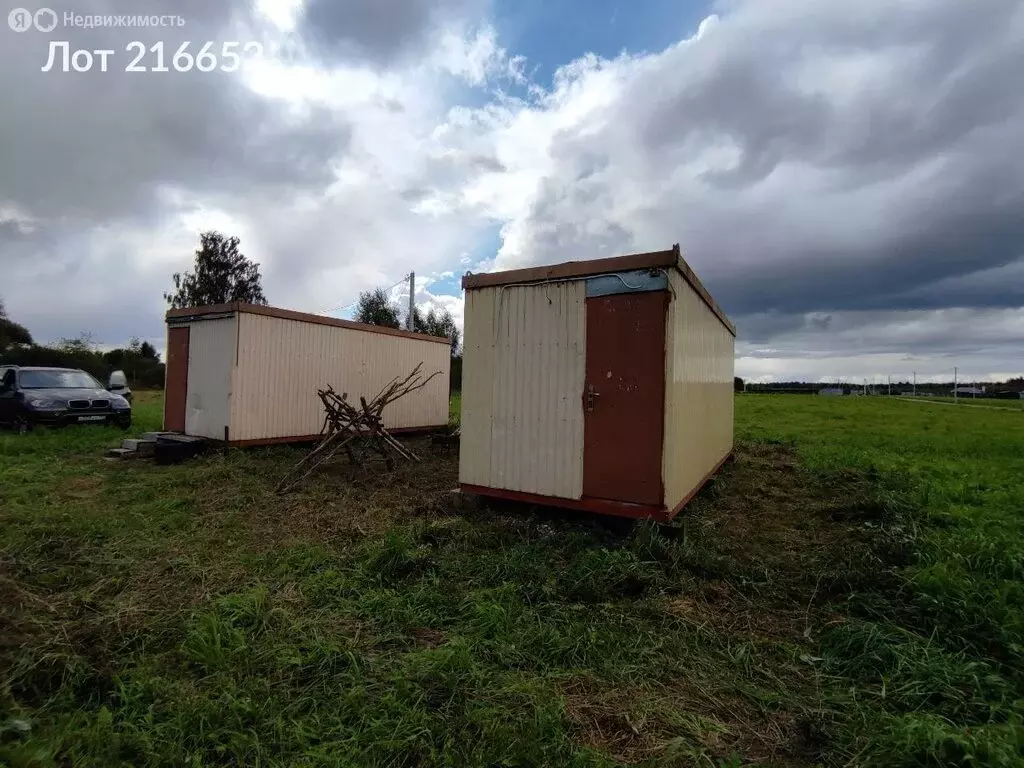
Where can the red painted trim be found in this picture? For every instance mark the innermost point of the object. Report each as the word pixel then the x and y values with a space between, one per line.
pixel 186 313
pixel 597 506
pixel 625 422
pixel 176 378
pixel 314 438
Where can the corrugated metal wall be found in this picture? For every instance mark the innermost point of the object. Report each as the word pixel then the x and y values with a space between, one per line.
pixel 282 363
pixel 211 358
pixel 700 355
pixel 522 383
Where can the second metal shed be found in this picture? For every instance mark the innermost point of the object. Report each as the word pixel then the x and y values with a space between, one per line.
pixel 602 385
pixel 249 373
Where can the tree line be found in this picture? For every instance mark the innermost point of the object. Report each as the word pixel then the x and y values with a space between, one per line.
pixel 221 274
pixel 139 359
pixel 1011 386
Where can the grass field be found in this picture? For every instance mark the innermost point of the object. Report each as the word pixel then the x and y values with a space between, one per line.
pixel 850 591
pixel 971 402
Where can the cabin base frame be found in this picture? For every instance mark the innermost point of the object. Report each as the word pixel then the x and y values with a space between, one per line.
pixel 659 514
pixel 408 431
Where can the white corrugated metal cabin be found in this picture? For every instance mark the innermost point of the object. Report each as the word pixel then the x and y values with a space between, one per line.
pixel 249 374
pixel 602 385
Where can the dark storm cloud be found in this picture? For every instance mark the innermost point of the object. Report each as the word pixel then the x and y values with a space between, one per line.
pixel 90 158
pixel 964 333
pixel 927 267
pixel 99 143
pixel 810 159
pixel 376 30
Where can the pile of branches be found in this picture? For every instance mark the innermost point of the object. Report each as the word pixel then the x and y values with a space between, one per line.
pixel 357 428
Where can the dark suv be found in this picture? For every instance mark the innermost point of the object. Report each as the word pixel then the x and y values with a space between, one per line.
pixel 58 396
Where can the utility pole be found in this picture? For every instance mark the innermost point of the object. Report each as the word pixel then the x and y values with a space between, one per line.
pixel 954 385
pixel 412 300
pixel 915 383
pixel 890 384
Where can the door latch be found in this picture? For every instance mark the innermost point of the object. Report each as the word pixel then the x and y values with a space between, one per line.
pixel 592 395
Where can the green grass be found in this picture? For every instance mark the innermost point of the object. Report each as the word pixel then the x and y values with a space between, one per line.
pixel 940 660
pixel 849 592
pixel 455 408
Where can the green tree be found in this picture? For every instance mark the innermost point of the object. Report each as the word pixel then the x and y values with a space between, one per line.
pixel 376 308
pixel 437 323
pixel 148 351
pixel 11 333
pixel 222 275
pixel 83 344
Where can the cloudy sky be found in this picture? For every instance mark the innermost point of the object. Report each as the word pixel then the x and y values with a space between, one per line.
pixel 847 179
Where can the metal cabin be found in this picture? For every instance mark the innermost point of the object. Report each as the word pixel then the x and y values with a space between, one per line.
pixel 249 374
pixel 602 385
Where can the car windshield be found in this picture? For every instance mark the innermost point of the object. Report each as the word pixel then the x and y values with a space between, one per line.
pixel 58 380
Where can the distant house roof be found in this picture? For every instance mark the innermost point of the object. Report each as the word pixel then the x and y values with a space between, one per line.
pixel 969 391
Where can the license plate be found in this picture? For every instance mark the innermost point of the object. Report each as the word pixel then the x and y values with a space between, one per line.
pixel 92 418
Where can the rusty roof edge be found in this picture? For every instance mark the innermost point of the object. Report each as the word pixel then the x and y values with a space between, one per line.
pixel 582 269
pixel 570 269
pixel 302 317
pixel 694 282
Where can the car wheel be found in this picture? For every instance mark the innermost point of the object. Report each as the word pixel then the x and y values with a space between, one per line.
pixel 21 424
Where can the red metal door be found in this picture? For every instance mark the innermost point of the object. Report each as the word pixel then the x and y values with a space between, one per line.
pixel 624 397
pixel 176 386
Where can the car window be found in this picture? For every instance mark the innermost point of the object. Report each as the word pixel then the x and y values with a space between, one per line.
pixel 8 379
pixel 58 380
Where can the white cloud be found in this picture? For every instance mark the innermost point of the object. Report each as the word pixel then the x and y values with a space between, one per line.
pixel 842 181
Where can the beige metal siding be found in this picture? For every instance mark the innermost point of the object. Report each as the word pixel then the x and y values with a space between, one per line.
pixel 211 358
pixel 522 383
pixel 282 363
pixel 700 354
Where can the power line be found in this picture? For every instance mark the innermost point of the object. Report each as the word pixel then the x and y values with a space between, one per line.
pixel 343 307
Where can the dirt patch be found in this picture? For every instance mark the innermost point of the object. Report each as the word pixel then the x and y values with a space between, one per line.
pixel 783 542
pixel 793 539
pixel 338 503
pixel 82 487
pixel 425 637
pixel 611 720
pixel 681 724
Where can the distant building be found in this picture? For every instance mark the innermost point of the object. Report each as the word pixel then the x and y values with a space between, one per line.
pixel 831 391
pixel 968 391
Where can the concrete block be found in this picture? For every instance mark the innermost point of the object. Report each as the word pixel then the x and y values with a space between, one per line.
pixel 463 502
pixel 145 448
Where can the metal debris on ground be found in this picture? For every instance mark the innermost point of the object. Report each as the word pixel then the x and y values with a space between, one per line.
pixel 358 429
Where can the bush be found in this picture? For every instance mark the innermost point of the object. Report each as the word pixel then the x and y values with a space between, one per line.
pixel 142 372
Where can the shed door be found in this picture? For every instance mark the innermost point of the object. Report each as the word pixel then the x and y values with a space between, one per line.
pixel 176 387
pixel 624 397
